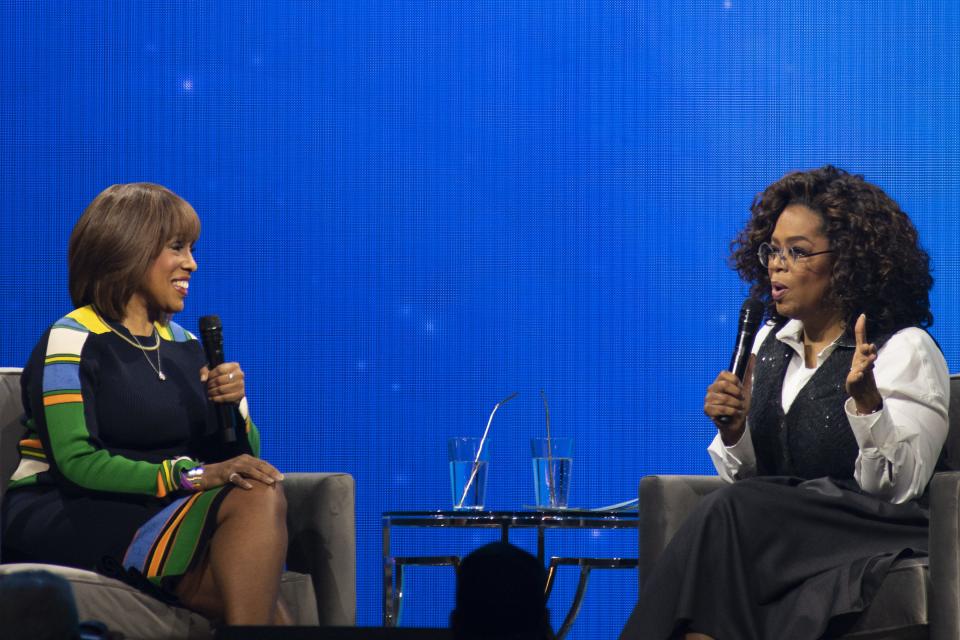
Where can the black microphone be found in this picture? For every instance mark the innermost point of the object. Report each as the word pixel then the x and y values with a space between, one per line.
pixel 751 315
pixel 211 334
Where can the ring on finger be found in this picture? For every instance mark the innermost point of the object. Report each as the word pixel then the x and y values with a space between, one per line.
pixel 230 376
pixel 234 477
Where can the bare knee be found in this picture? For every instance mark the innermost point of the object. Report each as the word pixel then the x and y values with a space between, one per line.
pixel 266 502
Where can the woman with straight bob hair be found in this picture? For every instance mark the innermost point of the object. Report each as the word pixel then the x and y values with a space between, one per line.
pixel 831 438
pixel 122 468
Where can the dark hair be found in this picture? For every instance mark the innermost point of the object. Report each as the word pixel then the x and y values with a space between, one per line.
pixel 118 237
pixel 500 596
pixel 879 267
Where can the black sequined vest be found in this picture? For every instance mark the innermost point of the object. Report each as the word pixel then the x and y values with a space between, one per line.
pixel 813 439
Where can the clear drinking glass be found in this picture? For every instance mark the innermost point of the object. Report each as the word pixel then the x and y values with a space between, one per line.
pixel 552 464
pixel 468 472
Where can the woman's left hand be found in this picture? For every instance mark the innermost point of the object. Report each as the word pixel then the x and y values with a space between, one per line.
pixel 861 385
pixel 224 382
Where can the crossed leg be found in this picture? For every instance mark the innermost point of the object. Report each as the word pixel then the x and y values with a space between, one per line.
pixel 238 580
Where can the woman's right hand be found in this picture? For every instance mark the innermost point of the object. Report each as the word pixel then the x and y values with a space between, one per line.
pixel 239 471
pixel 728 397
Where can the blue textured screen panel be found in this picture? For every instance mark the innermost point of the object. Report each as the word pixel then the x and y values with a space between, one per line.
pixel 412 209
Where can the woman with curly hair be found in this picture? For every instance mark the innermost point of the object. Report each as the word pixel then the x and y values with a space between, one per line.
pixel 831 438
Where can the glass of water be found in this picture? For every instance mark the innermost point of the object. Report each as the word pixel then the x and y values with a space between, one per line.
pixel 552 464
pixel 468 472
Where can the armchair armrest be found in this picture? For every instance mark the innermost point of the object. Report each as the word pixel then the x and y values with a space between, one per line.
pixel 665 502
pixel 320 521
pixel 945 556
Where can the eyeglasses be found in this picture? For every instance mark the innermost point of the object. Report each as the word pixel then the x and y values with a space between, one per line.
pixel 791 256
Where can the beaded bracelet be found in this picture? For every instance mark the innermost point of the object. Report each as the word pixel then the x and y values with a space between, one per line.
pixel 190 479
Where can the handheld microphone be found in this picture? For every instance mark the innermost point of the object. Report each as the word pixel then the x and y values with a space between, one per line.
pixel 751 314
pixel 211 334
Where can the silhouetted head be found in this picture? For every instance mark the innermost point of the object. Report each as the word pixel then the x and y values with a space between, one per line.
pixel 500 596
pixel 37 605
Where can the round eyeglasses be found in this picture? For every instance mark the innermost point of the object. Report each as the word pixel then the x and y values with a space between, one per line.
pixel 791 256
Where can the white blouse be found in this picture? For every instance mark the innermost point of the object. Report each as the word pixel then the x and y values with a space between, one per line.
pixel 900 443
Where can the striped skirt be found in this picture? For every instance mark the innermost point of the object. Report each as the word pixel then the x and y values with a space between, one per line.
pixel 174 540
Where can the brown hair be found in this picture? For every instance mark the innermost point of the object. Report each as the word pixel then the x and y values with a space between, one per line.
pixel 118 237
pixel 879 266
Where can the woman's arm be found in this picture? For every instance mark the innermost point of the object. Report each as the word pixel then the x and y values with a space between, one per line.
pixel 734 458
pixel 226 383
pixel 63 414
pixel 901 440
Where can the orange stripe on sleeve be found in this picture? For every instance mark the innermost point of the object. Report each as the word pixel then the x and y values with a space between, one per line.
pixel 161 485
pixel 49 401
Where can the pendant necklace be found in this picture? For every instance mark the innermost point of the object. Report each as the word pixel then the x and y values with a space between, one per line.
pixel 158 369
pixel 136 343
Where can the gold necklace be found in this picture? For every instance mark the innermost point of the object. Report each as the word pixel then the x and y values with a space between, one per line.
pixel 136 343
pixel 143 350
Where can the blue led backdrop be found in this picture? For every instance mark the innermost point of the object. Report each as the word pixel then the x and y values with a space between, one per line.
pixel 412 209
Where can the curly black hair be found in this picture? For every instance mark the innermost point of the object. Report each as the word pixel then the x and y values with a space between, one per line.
pixel 879 267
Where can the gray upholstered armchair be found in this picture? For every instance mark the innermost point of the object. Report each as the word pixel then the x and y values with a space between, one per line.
pixel 319 588
pixel 920 598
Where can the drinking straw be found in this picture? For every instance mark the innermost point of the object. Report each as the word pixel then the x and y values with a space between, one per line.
pixel 476 460
pixel 550 478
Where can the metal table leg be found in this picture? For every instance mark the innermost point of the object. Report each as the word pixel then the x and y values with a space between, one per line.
pixel 577 602
pixel 586 566
pixel 388 610
pixel 396 595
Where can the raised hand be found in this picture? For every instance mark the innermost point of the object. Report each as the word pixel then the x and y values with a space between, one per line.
pixel 727 396
pixel 861 385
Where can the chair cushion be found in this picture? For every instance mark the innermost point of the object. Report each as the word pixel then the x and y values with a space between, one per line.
pixel 298 594
pixel 899 609
pixel 11 410
pixel 137 615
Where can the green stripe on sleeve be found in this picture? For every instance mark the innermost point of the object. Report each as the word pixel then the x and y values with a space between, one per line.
pixel 97 469
pixel 253 437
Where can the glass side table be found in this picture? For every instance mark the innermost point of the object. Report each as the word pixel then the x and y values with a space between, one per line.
pixel 504 521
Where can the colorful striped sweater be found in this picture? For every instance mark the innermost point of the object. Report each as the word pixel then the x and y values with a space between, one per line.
pixel 100 419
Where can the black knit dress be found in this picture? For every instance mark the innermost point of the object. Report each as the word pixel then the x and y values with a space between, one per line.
pixel 795 552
